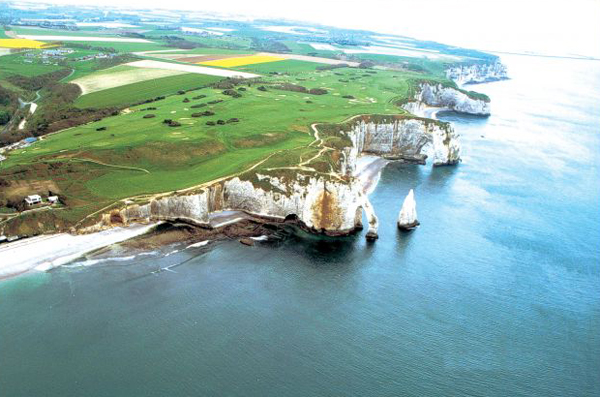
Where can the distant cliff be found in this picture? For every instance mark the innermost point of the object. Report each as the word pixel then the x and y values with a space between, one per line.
pixel 438 95
pixel 477 73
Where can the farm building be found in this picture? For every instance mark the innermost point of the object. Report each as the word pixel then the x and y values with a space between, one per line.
pixel 53 199
pixel 33 199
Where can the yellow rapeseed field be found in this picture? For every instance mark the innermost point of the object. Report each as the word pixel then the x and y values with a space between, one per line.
pixel 21 43
pixel 241 61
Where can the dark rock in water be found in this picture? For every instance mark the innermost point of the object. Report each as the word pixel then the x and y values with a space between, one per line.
pixel 247 241
pixel 409 226
pixel 371 236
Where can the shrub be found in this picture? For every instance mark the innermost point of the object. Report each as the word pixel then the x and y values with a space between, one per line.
pixel 101 129
pixel 317 91
pixel 262 88
pixel 233 120
pixel 348 96
pixel 149 116
pixel 215 101
pixel 186 100
pixel 206 113
pixel 220 122
pixel 232 93
pixel 199 97
pixel 210 123
pixel 200 105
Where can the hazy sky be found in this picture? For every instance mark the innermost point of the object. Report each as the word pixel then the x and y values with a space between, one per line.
pixel 553 27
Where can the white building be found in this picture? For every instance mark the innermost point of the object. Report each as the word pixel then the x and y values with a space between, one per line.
pixel 53 199
pixel 33 199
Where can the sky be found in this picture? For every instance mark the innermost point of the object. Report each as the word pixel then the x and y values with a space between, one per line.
pixel 549 27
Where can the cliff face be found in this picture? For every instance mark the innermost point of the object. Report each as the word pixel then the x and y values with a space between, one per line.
pixel 477 73
pixel 439 96
pixel 408 139
pixel 322 204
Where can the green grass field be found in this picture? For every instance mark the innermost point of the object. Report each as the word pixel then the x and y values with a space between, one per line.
pixel 137 92
pixel 14 64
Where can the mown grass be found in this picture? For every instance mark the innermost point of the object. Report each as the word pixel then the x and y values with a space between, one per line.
pixel 137 92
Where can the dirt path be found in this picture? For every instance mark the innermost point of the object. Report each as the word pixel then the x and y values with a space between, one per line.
pixel 124 167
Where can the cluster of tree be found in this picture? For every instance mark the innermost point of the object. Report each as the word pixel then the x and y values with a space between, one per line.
pixel 57 112
pixel 302 89
pixel 269 45
pixel 332 67
pixel 223 122
pixel 171 123
pixel 205 113
pixel 105 63
pixel 34 83
pixel 8 105
pixel 180 42
pixel 93 48
pixel 232 93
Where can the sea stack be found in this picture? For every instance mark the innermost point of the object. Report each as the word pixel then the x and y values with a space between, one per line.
pixel 407 219
pixel 373 221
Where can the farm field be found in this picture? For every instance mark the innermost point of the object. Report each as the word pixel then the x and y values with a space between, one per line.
pixel 136 92
pixel 284 66
pixel 106 39
pixel 23 43
pixel 242 61
pixel 119 76
pixel 151 64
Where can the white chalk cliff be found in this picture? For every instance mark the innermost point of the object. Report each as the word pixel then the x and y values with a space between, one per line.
pixel 402 138
pixel 407 219
pixel 331 203
pixel 444 97
pixel 477 73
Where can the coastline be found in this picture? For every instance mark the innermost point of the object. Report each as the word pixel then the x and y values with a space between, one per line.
pixel 23 256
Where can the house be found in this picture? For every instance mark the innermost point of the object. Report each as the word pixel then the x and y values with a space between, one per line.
pixel 33 199
pixel 53 199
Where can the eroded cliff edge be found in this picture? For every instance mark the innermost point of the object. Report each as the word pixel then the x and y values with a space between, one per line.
pixel 323 195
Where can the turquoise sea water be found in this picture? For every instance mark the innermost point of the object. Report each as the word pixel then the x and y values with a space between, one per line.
pixel 496 294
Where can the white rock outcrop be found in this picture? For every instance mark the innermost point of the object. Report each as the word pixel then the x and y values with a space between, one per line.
pixel 322 204
pixel 477 73
pixel 398 138
pixel 407 219
pixel 440 96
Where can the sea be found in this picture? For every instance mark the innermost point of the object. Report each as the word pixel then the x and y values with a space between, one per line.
pixel 497 293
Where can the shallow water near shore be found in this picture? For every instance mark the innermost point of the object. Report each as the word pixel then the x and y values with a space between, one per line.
pixel 497 292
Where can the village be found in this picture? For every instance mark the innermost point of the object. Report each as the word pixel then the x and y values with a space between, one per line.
pixel 52 56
